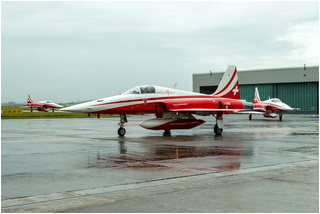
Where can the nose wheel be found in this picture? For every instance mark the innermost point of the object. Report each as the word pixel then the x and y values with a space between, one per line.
pixel 121 131
pixel 123 120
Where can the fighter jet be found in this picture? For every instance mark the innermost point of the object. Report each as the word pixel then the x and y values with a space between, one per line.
pixel 41 105
pixel 173 108
pixel 268 108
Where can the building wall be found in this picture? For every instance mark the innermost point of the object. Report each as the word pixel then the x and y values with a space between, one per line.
pixel 298 87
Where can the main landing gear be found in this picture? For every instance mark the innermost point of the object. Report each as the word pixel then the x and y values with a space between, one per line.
pixel 218 128
pixel 123 120
pixel 280 115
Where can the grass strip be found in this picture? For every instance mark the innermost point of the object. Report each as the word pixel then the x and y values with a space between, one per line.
pixel 39 115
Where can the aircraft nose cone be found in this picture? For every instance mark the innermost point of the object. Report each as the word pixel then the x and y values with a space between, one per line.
pixel 289 108
pixel 74 109
pixel 68 109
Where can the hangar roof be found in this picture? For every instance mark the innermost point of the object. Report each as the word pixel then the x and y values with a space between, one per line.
pixel 265 76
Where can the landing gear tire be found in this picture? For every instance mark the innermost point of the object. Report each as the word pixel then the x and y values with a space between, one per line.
pixel 280 116
pixel 250 116
pixel 217 131
pixel 121 131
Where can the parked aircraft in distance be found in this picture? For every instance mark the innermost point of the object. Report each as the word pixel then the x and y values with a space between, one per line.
pixel 173 108
pixel 268 108
pixel 41 105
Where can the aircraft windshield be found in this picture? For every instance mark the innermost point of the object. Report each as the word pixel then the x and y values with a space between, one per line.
pixel 141 90
pixel 275 100
pixel 134 90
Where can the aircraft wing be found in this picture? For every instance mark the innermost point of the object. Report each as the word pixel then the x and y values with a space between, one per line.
pixel 252 111
pixel 249 112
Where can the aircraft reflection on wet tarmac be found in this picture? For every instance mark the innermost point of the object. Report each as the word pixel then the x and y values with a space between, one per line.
pixel 176 156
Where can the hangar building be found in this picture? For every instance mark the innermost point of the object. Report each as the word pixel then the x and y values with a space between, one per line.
pixel 298 87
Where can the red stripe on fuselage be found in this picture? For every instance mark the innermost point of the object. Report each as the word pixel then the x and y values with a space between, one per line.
pixel 148 106
pixel 160 98
pixel 271 106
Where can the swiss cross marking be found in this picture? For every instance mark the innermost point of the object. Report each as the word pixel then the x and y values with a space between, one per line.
pixel 235 90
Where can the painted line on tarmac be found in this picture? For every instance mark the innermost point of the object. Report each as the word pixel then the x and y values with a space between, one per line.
pixel 22 204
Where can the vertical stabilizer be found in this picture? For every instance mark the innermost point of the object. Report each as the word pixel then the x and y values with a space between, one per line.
pixel 29 99
pixel 229 85
pixel 256 96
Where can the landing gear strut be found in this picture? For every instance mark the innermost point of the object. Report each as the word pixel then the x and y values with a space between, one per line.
pixel 123 120
pixel 167 133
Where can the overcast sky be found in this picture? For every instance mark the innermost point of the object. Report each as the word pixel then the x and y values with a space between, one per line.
pixel 65 51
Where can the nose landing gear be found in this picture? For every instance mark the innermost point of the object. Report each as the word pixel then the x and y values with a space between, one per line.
pixel 280 115
pixel 123 120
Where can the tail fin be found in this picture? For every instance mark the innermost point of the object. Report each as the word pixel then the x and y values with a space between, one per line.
pixel 256 96
pixel 29 99
pixel 229 85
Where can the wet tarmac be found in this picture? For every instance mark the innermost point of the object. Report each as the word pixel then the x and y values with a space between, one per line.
pixel 43 157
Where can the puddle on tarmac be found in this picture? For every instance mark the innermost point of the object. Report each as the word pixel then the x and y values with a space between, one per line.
pixel 172 157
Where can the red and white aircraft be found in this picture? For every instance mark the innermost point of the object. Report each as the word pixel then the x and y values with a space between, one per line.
pixel 41 105
pixel 268 108
pixel 173 108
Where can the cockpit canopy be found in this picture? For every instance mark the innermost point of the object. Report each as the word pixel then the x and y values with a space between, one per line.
pixel 143 89
pixel 275 100
pixel 45 101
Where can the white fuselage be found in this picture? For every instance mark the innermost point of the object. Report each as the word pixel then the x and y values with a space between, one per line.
pixel 276 104
pixel 132 99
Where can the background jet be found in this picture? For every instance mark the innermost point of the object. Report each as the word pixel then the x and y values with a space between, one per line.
pixel 41 105
pixel 268 108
